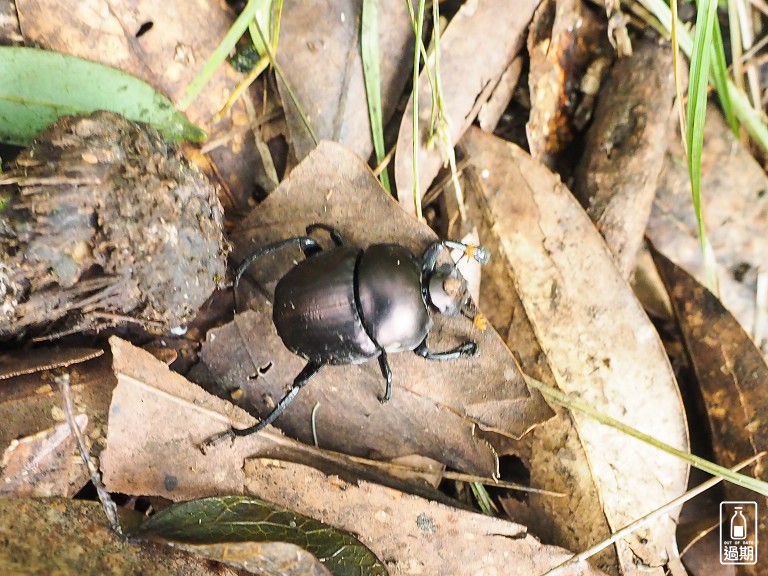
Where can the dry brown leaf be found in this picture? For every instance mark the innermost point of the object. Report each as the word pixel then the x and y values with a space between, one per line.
pixel 489 28
pixel 624 149
pixel 733 377
pixel 320 56
pixel 31 403
pixel 735 207
pixel 262 558
pixel 567 44
pixel 168 56
pixel 157 419
pixel 413 536
pixel 44 464
pixel 73 537
pixel 335 187
pixel 493 109
pixel 597 341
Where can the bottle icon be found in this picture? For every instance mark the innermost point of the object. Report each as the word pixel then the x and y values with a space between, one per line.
pixel 738 525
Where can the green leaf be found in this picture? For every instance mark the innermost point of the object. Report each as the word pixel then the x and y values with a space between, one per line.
pixel 37 87
pixel 243 519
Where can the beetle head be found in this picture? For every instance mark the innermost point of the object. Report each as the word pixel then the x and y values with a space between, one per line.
pixel 447 290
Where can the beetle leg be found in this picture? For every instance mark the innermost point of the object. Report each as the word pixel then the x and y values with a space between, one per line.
pixel 299 382
pixel 432 253
pixel 335 235
pixel 464 350
pixel 307 245
pixel 386 371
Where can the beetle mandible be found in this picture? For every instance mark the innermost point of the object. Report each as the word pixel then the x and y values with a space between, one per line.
pixel 347 305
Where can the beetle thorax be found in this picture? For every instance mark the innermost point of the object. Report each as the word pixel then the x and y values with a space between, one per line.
pixel 390 298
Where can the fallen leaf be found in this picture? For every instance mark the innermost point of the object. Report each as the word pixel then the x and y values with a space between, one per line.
pixel 624 149
pixel 596 338
pixel 334 187
pixel 42 86
pixel 158 419
pixel 319 54
pixel 72 537
pixel 412 535
pixel 31 403
pixel 733 377
pixel 262 558
pixel 44 464
pixel 489 28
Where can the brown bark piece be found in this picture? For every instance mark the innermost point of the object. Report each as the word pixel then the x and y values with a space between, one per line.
pixel 73 537
pixel 624 149
pixel 108 221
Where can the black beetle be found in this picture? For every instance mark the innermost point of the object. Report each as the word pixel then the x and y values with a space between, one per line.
pixel 346 305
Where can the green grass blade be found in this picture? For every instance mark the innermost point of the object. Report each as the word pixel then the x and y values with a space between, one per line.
pixel 369 40
pixel 720 78
pixel 698 84
pixel 219 55
pixel 415 116
pixel 37 87
pixel 571 403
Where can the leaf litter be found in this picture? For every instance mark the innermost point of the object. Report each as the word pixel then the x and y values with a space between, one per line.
pixel 557 453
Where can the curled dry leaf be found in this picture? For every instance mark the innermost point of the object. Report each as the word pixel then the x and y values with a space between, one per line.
pixel 34 435
pixel 319 54
pixel 733 377
pixel 42 464
pixel 596 338
pixel 73 537
pixel 42 359
pixel 569 50
pixel 489 28
pixel 168 56
pixel 735 221
pixel 335 187
pixel 624 149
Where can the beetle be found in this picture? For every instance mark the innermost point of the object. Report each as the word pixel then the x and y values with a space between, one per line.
pixel 346 305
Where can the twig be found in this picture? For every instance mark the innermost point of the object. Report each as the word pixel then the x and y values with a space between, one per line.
pixel 110 508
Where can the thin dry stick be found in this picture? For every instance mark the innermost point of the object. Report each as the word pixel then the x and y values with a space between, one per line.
pixel 110 509
pixel 640 522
